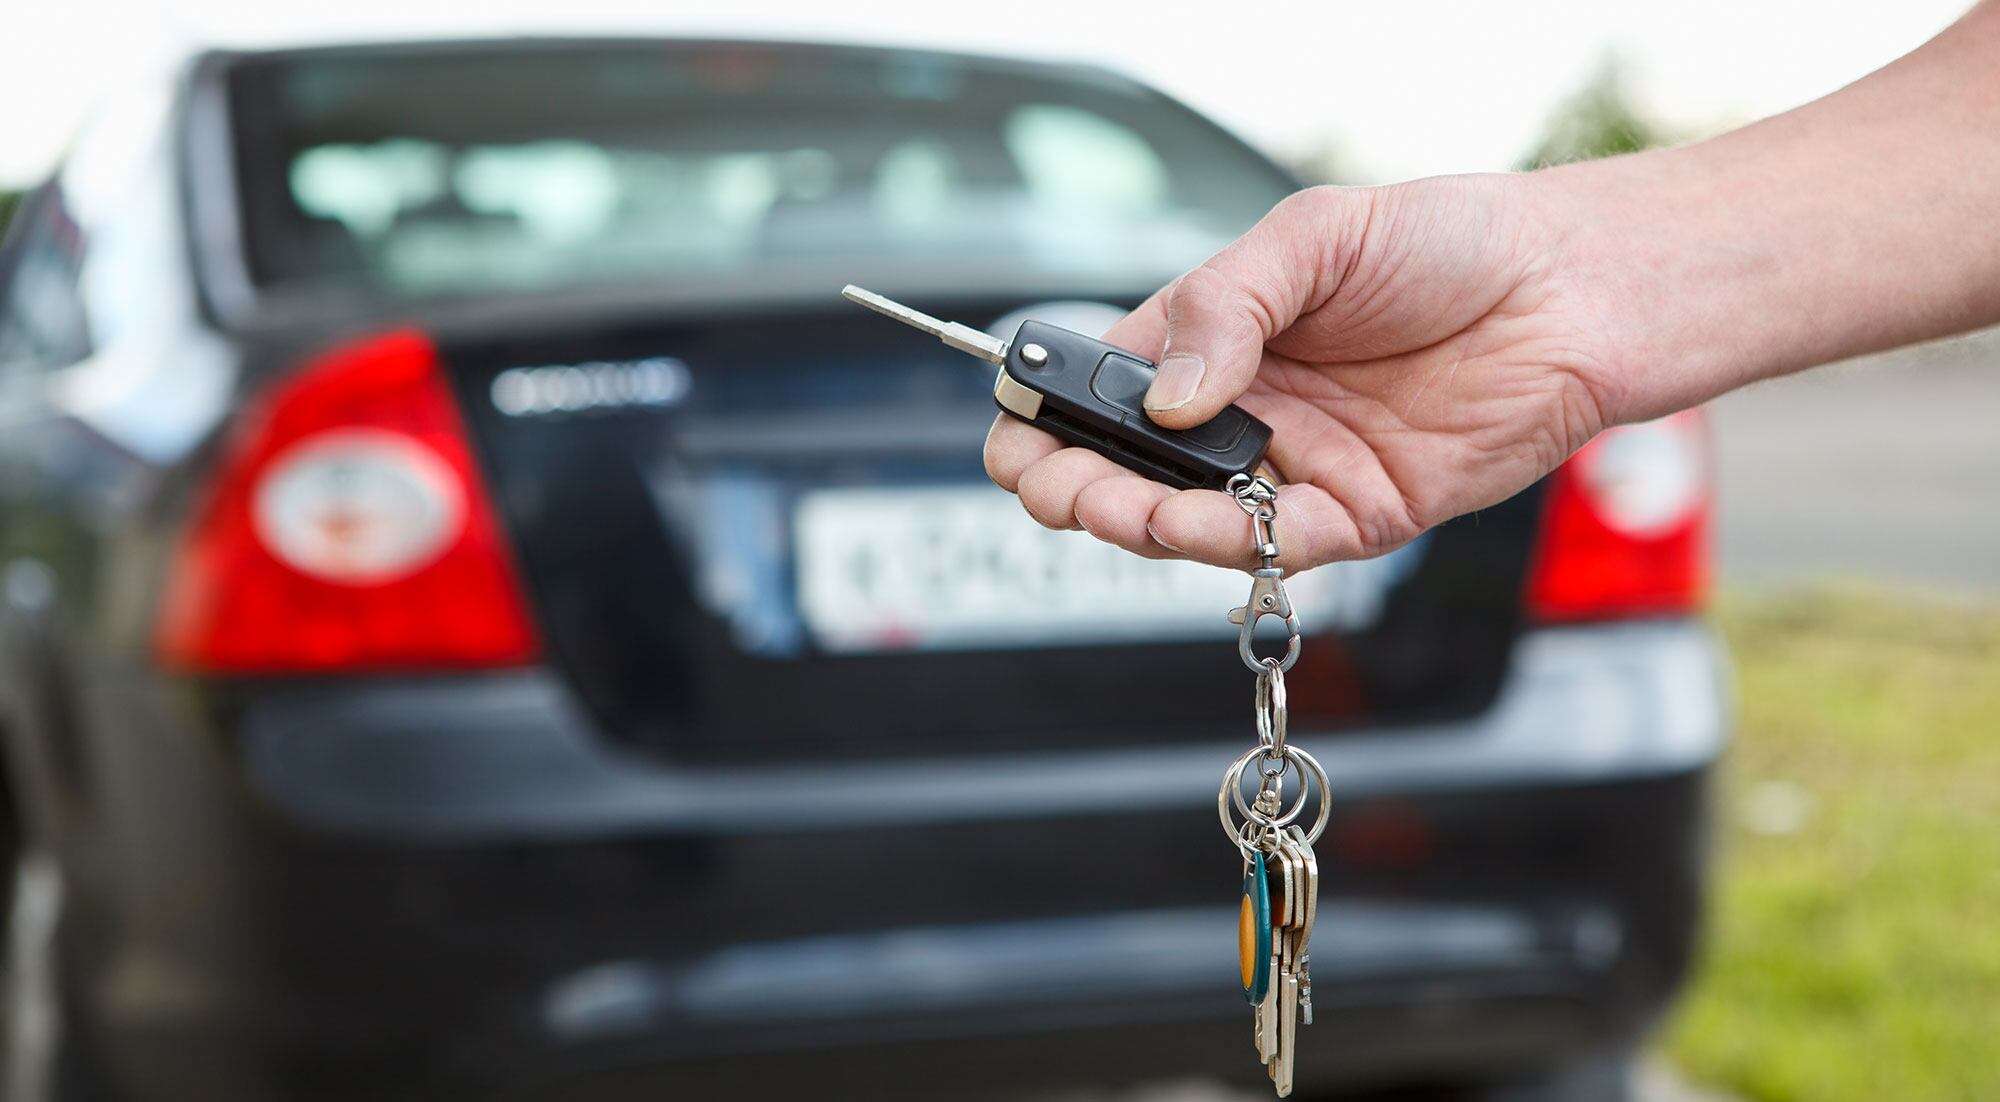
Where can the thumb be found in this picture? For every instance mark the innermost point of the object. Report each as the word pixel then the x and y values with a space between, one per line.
pixel 1220 314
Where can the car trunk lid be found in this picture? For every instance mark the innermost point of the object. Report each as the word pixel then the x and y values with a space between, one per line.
pixel 776 535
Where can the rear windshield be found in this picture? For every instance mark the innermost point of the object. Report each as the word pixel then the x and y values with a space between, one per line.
pixel 510 167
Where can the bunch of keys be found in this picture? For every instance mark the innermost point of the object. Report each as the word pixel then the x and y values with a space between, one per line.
pixel 1280 872
pixel 1092 394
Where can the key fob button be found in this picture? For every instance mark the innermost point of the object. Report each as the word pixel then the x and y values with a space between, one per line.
pixel 1034 358
pixel 1121 382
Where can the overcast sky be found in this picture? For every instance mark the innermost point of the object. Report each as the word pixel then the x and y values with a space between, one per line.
pixel 1401 88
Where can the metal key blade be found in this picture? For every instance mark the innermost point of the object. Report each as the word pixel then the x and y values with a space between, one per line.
pixel 965 338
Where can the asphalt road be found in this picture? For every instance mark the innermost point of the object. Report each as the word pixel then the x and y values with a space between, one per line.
pixel 1886 467
pixel 1654 1083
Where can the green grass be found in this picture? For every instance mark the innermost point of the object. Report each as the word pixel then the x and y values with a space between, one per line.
pixel 1854 938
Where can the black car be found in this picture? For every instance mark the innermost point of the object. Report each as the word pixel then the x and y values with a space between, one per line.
pixel 482 618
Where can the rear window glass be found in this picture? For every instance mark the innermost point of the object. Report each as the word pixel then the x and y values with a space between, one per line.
pixel 508 167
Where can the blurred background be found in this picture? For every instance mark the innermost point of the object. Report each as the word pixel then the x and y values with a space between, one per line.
pixel 1849 949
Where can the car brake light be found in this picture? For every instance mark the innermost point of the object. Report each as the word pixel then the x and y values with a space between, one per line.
pixel 1625 526
pixel 348 528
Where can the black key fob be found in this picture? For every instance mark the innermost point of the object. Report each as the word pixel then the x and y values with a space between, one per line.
pixel 1093 394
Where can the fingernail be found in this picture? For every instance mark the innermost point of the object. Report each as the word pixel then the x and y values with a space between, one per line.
pixel 1179 377
pixel 1155 533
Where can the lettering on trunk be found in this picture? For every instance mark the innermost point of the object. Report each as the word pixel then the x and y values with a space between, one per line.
pixel 598 385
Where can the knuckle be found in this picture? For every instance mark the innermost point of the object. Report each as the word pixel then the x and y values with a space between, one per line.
pixel 1304 203
pixel 1237 296
pixel 1197 289
pixel 1316 206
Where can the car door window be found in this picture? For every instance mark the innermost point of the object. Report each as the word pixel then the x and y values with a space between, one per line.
pixel 42 322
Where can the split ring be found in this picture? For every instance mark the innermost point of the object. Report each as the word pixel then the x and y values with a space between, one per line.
pixel 1232 792
pixel 1271 710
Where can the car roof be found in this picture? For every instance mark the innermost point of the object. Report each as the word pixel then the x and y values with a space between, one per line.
pixel 559 43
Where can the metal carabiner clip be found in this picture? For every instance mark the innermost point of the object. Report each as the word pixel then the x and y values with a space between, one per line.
pixel 1267 598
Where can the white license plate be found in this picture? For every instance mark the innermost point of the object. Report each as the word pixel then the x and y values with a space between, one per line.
pixel 963 567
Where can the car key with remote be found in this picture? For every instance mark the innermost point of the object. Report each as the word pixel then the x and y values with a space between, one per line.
pixel 1092 394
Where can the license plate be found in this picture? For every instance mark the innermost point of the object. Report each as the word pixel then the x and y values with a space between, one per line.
pixel 962 567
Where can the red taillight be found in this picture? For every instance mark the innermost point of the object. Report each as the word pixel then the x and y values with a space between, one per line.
pixel 348 529
pixel 1625 526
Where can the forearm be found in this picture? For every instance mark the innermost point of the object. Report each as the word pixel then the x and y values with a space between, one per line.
pixel 1862 221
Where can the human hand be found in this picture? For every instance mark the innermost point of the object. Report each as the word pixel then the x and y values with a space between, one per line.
pixel 1420 351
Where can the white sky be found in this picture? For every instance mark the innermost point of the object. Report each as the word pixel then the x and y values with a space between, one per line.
pixel 1403 87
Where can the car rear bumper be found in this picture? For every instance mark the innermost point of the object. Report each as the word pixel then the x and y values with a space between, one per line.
pixel 514 757
pixel 449 889
pixel 1553 925
pixel 1402 989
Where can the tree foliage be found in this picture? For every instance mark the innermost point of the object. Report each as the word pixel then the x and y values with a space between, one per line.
pixel 8 201
pixel 1598 120
pixel 1325 161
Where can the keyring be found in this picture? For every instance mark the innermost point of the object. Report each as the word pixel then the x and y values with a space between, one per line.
pixel 1271 711
pixel 1245 844
pixel 1232 784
